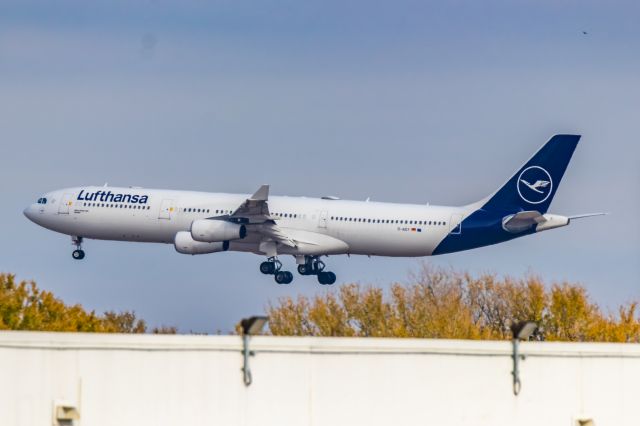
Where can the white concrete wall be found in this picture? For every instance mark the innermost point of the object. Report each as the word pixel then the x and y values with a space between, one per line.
pixel 197 380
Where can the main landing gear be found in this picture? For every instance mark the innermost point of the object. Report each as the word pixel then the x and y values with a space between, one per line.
pixel 314 266
pixel 78 253
pixel 272 267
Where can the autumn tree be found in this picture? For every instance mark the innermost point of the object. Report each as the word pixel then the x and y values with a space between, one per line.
pixel 442 303
pixel 24 306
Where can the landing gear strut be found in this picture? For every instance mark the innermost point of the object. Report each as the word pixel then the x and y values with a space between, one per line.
pixel 314 266
pixel 272 267
pixel 78 253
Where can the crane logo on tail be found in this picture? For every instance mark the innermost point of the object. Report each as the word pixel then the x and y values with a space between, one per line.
pixel 534 185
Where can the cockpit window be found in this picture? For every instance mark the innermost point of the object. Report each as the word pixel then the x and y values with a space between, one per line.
pixel 42 200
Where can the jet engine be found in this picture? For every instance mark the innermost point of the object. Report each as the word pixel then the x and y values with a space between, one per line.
pixel 186 245
pixel 211 230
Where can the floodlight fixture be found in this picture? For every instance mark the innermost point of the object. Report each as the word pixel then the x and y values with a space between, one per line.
pixel 253 325
pixel 250 327
pixel 521 331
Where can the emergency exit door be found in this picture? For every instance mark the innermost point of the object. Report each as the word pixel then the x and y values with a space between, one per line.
pixel 322 219
pixel 455 224
pixel 166 210
pixel 65 204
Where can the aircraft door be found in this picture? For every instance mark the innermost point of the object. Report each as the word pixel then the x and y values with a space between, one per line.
pixel 322 219
pixel 65 203
pixel 455 224
pixel 166 209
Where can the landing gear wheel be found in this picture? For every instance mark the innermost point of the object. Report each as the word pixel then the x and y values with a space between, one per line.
pixel 267 268
pixel 326 278
pixel 283 277
pixel 78 254
pixel 304 270
pixel 311 266
pixel 271 266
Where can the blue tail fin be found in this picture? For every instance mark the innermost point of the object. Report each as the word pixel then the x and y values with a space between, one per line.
pixel 535 184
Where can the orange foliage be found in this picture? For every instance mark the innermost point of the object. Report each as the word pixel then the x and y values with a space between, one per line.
pixel 441 303
pixel 23 306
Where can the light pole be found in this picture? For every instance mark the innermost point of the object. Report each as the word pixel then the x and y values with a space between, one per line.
pixel 521 331
pixel 250 326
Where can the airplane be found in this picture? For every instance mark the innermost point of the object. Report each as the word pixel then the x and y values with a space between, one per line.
pixel 309 228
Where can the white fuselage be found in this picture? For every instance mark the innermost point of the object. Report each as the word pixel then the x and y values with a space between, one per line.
pixel 308 228
pixel 327 226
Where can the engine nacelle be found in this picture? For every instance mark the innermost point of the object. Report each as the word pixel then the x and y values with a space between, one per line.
pixel 209 231
pixel 186 245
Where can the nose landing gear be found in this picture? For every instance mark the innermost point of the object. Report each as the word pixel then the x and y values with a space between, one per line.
pixel 78 253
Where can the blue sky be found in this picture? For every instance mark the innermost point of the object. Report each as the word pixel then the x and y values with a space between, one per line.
pixel 406 101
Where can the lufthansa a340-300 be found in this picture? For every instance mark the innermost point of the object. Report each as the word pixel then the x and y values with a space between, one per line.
pixel 307 228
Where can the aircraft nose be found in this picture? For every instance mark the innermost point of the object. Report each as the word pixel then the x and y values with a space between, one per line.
pixel 28 212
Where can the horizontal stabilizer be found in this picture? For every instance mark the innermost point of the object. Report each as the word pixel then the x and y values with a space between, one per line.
pixel 580 216
pixel 522 221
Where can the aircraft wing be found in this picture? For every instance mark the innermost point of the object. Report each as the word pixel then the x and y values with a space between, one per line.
pixel 255 208
pixel 255 211
pixel 272 231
